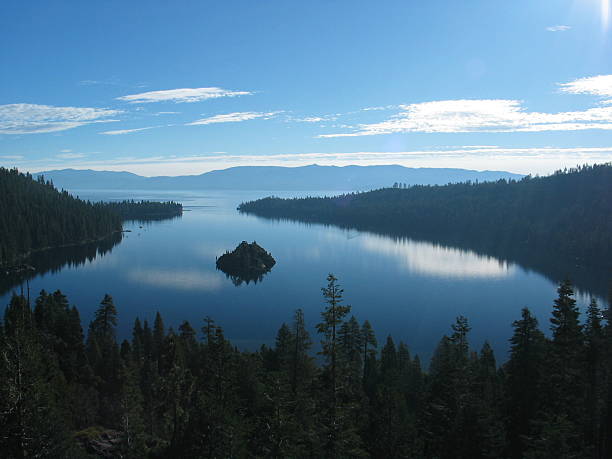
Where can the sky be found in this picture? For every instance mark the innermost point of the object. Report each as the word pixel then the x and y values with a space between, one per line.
pixel 176 88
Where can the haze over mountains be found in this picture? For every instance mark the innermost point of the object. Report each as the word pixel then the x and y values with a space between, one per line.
pixel 312 177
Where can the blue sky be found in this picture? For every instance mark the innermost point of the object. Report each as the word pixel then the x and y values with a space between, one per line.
pixel 172 88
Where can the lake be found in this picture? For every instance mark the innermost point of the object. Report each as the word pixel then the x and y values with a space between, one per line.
pixel 410 289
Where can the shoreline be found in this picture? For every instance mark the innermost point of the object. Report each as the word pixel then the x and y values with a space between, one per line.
pixel 18 261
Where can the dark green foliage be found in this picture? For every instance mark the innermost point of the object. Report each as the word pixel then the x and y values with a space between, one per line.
pixel 567 214
pixel 170 394
pixel 31 390
pixel 563 411
pixel 145 210
pixel 36 216
pixel 246 263
pixel 524 373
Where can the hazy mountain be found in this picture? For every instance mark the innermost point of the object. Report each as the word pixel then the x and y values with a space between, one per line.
pixel 311 177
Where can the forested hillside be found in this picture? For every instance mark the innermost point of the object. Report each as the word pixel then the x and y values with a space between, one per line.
pixel 568 213
pixel 145 210
pixel 34 216
pixel 189 393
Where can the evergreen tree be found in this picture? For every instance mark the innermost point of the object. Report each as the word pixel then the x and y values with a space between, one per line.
pixel 350 337
pixel 284 349
pixel 103 355
pixel 301 363
pixel 595 378
pixel 524 373
pixel 31 421
pixel 131 426
pixel 368 339
pixel 158 337
pixel 339 436
pixel 565 376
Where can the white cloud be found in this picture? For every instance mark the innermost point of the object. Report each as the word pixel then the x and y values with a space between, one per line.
pixel 309 119
pixel 232 118
pixel 182 95
pixel 36 119
pixel 558 28
pixel 484 115
pixel 522 160
pixel 65 150
pixel 71 156
pixel 12 157
pixel 600 85
pixel 385 107
pixel 112 82
pixel 127 131
pixel 317 118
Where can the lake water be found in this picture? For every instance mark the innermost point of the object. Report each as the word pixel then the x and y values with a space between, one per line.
pixel 410 289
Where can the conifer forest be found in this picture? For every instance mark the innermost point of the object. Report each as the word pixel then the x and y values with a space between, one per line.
pixel 188 392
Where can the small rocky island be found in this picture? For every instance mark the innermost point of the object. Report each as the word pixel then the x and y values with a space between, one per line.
pixel 248 262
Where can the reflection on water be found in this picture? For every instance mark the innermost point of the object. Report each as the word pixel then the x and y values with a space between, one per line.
pixel 54 260
pixel 177 279
pixel 244 278
pixel 437 260
pixel 410 289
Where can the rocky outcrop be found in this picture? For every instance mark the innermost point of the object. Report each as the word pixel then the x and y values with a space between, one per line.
pixel 248 262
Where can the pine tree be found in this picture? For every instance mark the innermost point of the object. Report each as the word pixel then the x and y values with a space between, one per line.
pixel 159 334
pixel 349 337
pixel 131 425
pixel 566 364
pixel 524 380
pixel 103 354
pixel 389 368
pixel 368 339
pixel 31 423
pixel 284 349
pixel 339 435
pixel 595 378
pixel 301 363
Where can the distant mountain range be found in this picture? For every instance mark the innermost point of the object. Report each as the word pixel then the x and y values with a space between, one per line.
pixel 313 177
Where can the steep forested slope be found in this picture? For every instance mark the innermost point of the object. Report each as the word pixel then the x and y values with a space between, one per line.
pixel 34 216
pixel 569 212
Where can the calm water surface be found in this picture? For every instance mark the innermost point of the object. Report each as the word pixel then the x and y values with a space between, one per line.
pixel 412 290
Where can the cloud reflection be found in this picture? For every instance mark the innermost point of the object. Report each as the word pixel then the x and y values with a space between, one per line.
pixel 178 279
pixel 436 260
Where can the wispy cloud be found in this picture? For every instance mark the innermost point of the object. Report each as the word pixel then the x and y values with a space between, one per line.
pixel 384 107
pixel 12 157
pixel 127 131
pixel 315 118
pixel 523 160
pixel 36 119
pixel 485 115
pixel 65 150
pixel 233 118
pixel 309 119
pixel 166 113
pixel 71 156
pixel 111 82
pixel 600 85
pixel 182 95
pixel 558 28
